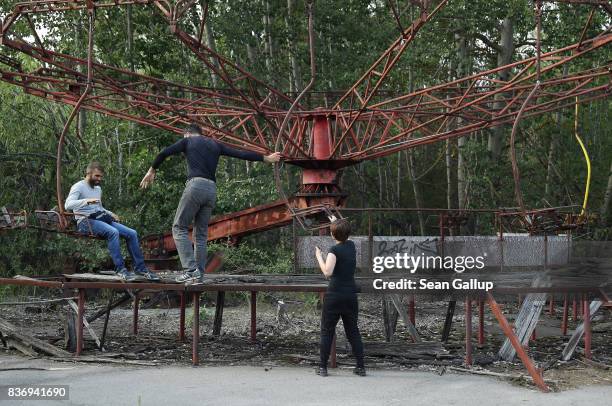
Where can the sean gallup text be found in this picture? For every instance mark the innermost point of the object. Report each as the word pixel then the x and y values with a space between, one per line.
pixel 424 284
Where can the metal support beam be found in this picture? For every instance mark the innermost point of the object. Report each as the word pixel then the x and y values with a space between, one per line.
pixel 253 316
pixel 219 313
pixel 481 317
pixel 181 335
pixel 448 321
pixel 412 310
pixel 135 315
pixel 80 314
pixel 106 317
pixel 195 356
pixel 587 330
pixel 564 319
pixel 468 331
pixel 520 351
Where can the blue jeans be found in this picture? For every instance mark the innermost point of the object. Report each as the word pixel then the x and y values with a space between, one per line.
pixel 195 207
pixel 112 232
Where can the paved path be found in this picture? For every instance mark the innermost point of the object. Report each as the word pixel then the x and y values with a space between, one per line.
pixel 94 384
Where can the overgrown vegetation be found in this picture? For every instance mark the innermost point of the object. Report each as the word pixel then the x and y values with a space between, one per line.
pixel 350 35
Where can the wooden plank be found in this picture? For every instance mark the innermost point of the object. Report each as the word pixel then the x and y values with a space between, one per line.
pixel 24 278
pixel 390 316
pixel 103 360
pixel 85 323
pixel 21 347
pixel 112 278
pixel 403 313
pixel 571 345
pixel 20 280
pixel 497 374
pixel 94 277
pixel 527 319
pixel 123 299
pixel 10 331
pixel 420 350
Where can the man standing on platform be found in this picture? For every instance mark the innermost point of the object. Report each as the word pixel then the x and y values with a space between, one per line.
pixel 198 200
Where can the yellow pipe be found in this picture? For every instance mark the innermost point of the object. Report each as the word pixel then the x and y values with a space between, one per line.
pixel 587 159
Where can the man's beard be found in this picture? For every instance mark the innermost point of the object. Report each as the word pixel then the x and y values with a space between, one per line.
pixel 93 182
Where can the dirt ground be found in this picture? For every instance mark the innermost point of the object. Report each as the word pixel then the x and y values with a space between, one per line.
pixel 288 334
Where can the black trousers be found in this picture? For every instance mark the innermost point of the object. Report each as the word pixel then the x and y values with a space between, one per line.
pixel 336 306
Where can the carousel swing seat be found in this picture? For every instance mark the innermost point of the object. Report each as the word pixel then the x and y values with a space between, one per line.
pixel 63 223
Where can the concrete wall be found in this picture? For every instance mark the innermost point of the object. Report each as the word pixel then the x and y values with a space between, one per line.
pixel 513 250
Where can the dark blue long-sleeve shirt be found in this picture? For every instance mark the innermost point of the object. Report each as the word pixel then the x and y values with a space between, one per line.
pixel 202 154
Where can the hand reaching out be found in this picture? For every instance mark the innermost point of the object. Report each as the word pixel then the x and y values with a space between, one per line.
pixel 273 158
pixel 148 179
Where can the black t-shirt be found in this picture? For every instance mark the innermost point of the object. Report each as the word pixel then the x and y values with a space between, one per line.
pixel 202 155
pixel 343 277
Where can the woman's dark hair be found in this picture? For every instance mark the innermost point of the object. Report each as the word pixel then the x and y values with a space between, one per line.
pixel 194 128
pixel 341 229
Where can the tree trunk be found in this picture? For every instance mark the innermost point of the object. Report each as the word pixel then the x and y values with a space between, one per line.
pixel 130 37
pixel 552 150
pixel 210 43
pixel 380 183
pixel 554 142
pixel 605 208
pixel 268 44
pixel 416 188
pixel 410 165
pixel 296 84
pixel 449 175
pixel 130 53
pixel 462 70
pixel 251 55
pixel 398 197
pixel 119 160
pixel 504 57
pixel 82 116
pixel 330 54
pixel 388 183
pixel 449 153
pixel 461 175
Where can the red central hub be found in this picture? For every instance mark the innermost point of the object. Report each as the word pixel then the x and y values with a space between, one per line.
pixel 321 139
pixel 320 175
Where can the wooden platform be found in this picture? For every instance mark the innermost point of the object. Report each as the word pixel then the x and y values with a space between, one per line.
pixel 96 277
pixel 581 279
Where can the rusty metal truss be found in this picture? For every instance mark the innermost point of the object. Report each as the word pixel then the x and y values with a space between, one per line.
pixel 367 121
pixel 247 113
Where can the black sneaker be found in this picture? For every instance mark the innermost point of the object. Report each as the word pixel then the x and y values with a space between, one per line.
pixel 321 371
pixel 148 275
pixel 359 371
pixel 194 275
pixel 126 275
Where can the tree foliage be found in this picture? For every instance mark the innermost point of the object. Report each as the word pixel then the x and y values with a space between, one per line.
pixel 350 36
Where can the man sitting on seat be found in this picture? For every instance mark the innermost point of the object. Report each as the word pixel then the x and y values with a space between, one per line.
pixel 85 200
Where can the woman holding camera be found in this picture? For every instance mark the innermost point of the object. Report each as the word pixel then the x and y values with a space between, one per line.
pixel 340 300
